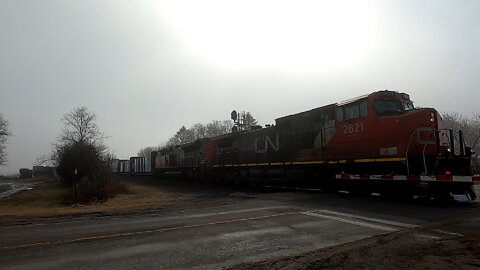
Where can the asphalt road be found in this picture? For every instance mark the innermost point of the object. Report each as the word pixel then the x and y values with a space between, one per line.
pixel 254 226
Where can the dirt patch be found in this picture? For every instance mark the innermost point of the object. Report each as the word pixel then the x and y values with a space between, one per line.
pixel 401 250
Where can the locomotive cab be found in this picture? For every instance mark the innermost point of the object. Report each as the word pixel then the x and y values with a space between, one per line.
pixel 391 104
pixel 385 126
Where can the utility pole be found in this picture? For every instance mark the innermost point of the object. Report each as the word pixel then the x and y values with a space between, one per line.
pixel 75 181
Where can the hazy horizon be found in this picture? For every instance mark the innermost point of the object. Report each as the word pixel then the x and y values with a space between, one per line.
pixel 146 68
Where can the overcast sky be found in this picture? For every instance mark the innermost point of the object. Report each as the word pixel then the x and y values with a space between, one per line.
pixel 148 67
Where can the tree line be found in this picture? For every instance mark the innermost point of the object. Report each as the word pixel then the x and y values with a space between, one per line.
pixel 471 130
pixel 199 131
pixel 4 134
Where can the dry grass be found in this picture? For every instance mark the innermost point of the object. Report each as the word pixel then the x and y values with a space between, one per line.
pixel 45 195
pixel 53 198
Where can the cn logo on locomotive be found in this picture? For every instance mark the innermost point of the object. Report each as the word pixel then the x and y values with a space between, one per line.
pixel 262 143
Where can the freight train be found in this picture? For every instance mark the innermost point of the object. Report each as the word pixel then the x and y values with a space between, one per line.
pixel 373 143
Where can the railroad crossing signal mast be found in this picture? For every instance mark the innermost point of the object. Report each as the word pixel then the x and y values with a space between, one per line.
pixel 239 121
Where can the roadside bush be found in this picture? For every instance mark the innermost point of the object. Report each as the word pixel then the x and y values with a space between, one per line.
pixel 80 164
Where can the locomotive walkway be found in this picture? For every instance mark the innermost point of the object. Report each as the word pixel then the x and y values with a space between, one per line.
pixel 254 228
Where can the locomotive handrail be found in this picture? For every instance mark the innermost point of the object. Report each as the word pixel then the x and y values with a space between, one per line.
pixel 406 151
pixel 453 139
pixel 424 161
pixel 423 151
pixel 451 142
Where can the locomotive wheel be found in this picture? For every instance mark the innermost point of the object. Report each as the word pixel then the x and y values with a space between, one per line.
pixel 444 197
pixel 472 194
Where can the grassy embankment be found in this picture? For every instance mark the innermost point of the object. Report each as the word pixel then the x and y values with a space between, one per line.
pixel 55 198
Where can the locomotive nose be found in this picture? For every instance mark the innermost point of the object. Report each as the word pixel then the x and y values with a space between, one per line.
pixel 430 118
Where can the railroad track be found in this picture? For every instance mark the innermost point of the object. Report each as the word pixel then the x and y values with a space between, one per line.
pixel 458 204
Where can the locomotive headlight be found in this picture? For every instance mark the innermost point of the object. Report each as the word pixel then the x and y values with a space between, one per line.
pixel 432 117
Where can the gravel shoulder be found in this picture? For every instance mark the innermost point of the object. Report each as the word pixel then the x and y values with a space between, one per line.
pixel 401 250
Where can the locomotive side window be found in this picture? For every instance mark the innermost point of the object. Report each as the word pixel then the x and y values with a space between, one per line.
pixel 388 107
pixel 363 109
pixel 352 112
pixel 339 114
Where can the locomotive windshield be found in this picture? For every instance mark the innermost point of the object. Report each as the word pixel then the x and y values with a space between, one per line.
pixel 388 107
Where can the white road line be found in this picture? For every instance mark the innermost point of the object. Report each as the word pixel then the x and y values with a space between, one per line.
pixel 188 216
pixel 448 233
pixel 233 212
pixel 383 221
pixel 259 232
pixel 354 222
pixel 428 236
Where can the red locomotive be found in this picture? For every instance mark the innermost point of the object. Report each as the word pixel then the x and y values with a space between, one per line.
pixel 377 142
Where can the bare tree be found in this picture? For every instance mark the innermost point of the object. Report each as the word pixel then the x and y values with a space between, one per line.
pixel 4 134
pixel 45 160
pixel 79 126
pixel 183 135
pixel 110 155
pixel 471 130
pixel 249 121
pixel 81 155
pixel 469 125
pixel 212 129
pixel 217 128
pixel 199 130
pixel 147 151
